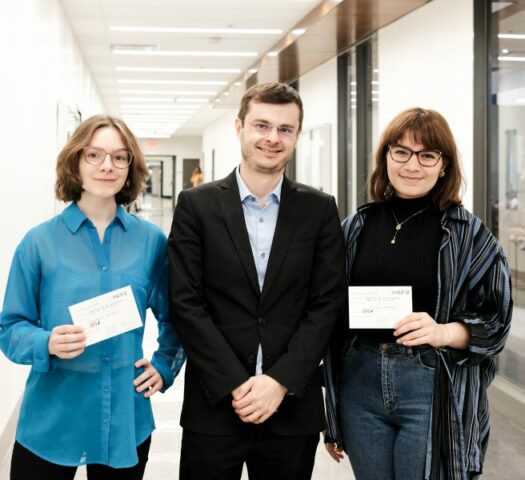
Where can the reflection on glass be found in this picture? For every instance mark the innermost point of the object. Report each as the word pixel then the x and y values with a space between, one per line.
pixel 507 168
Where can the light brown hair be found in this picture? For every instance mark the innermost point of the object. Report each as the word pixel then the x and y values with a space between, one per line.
pixel 429 128
pixel 273 93
pixel 68 186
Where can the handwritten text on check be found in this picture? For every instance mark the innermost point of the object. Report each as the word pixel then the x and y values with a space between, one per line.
pixel 378 307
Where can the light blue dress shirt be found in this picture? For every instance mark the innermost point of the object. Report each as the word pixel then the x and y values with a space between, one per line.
pixel 86 410
pixel 260 223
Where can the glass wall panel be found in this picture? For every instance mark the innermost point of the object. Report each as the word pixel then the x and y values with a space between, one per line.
pixel 507 167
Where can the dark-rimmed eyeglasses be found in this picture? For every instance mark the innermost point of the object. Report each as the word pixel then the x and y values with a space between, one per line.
pixel 426 158
pixel 95 156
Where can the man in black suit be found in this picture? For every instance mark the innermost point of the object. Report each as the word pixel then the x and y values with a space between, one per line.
pixel 256 284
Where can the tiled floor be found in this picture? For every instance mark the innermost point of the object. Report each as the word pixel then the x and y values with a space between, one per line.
pixel 505 457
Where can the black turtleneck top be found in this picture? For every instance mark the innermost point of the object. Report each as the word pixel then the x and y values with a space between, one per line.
pixel 412 260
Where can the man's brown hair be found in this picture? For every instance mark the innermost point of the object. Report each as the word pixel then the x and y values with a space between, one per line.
pixel 273 93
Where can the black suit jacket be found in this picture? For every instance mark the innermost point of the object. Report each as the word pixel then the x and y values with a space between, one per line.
pixel 221 316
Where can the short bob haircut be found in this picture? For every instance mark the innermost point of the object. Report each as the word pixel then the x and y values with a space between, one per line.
pixel 68 186
pixel 429 128
pixel 274 93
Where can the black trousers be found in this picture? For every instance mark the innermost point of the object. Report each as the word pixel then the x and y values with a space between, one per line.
pixel 25 465
pixel 267 456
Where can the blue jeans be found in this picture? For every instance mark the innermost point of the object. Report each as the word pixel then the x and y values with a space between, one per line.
pixel 385 401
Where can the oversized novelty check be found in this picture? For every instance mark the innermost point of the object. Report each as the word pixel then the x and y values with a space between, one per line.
pixel 107 315
pixel 378 307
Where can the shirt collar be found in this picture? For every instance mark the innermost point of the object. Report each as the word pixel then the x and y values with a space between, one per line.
pixel 74 218
pixel 244 191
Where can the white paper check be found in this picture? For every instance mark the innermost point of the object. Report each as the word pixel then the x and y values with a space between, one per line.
pixel 107 315
pixel 378 307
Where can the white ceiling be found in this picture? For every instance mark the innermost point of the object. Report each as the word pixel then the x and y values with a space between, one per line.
pixel 91 21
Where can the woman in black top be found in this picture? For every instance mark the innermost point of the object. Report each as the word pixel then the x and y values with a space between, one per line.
pixel 410 402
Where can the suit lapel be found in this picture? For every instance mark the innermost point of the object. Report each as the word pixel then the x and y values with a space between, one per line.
pixel 229 200
pixel 286 222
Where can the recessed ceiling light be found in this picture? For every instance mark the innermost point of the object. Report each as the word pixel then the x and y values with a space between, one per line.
pixel 136 46
pixel 145 99
pixel 237 84
pixel 130 81
pixel 168 92
pixel 189 100
pixel 183 53
pixel 298 31
pixel 177 70
pixel 128 118
pixel 273 54
pixel 171 107
pixel 220 31
pixel 511 36
pixel 511 59
pixel 253 70
pixel 146 109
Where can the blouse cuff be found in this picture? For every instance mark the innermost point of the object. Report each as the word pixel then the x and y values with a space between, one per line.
pixel 164 371
pixel 41 356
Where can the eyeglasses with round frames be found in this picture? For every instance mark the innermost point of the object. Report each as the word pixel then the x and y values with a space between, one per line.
pixel 264 129
pixel 95 156
pixel 426 158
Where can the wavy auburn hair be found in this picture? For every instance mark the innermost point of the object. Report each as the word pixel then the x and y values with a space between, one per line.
pixel 68 186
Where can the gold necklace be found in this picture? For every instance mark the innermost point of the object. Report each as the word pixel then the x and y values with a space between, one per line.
pixel 400 224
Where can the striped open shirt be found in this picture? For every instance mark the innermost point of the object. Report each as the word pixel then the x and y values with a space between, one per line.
pixel 474 288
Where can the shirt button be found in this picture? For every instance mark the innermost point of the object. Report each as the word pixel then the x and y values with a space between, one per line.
pixel 106 390
pixel 261 321
pixel 261 220
pixel 106 419
pixel 263 255
pixel 106 359
pixel 104 268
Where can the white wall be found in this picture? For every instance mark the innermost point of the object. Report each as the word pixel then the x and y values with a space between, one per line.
pixel 181 147
pixel 220 136
pixel 318 89
pixel 41 66
pixel 426 59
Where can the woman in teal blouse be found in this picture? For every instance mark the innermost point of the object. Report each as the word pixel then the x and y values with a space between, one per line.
pixel 88 404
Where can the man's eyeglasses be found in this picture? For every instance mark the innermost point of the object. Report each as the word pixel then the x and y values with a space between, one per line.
pixel 264 129
pixel 426 158
pixel 95 156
